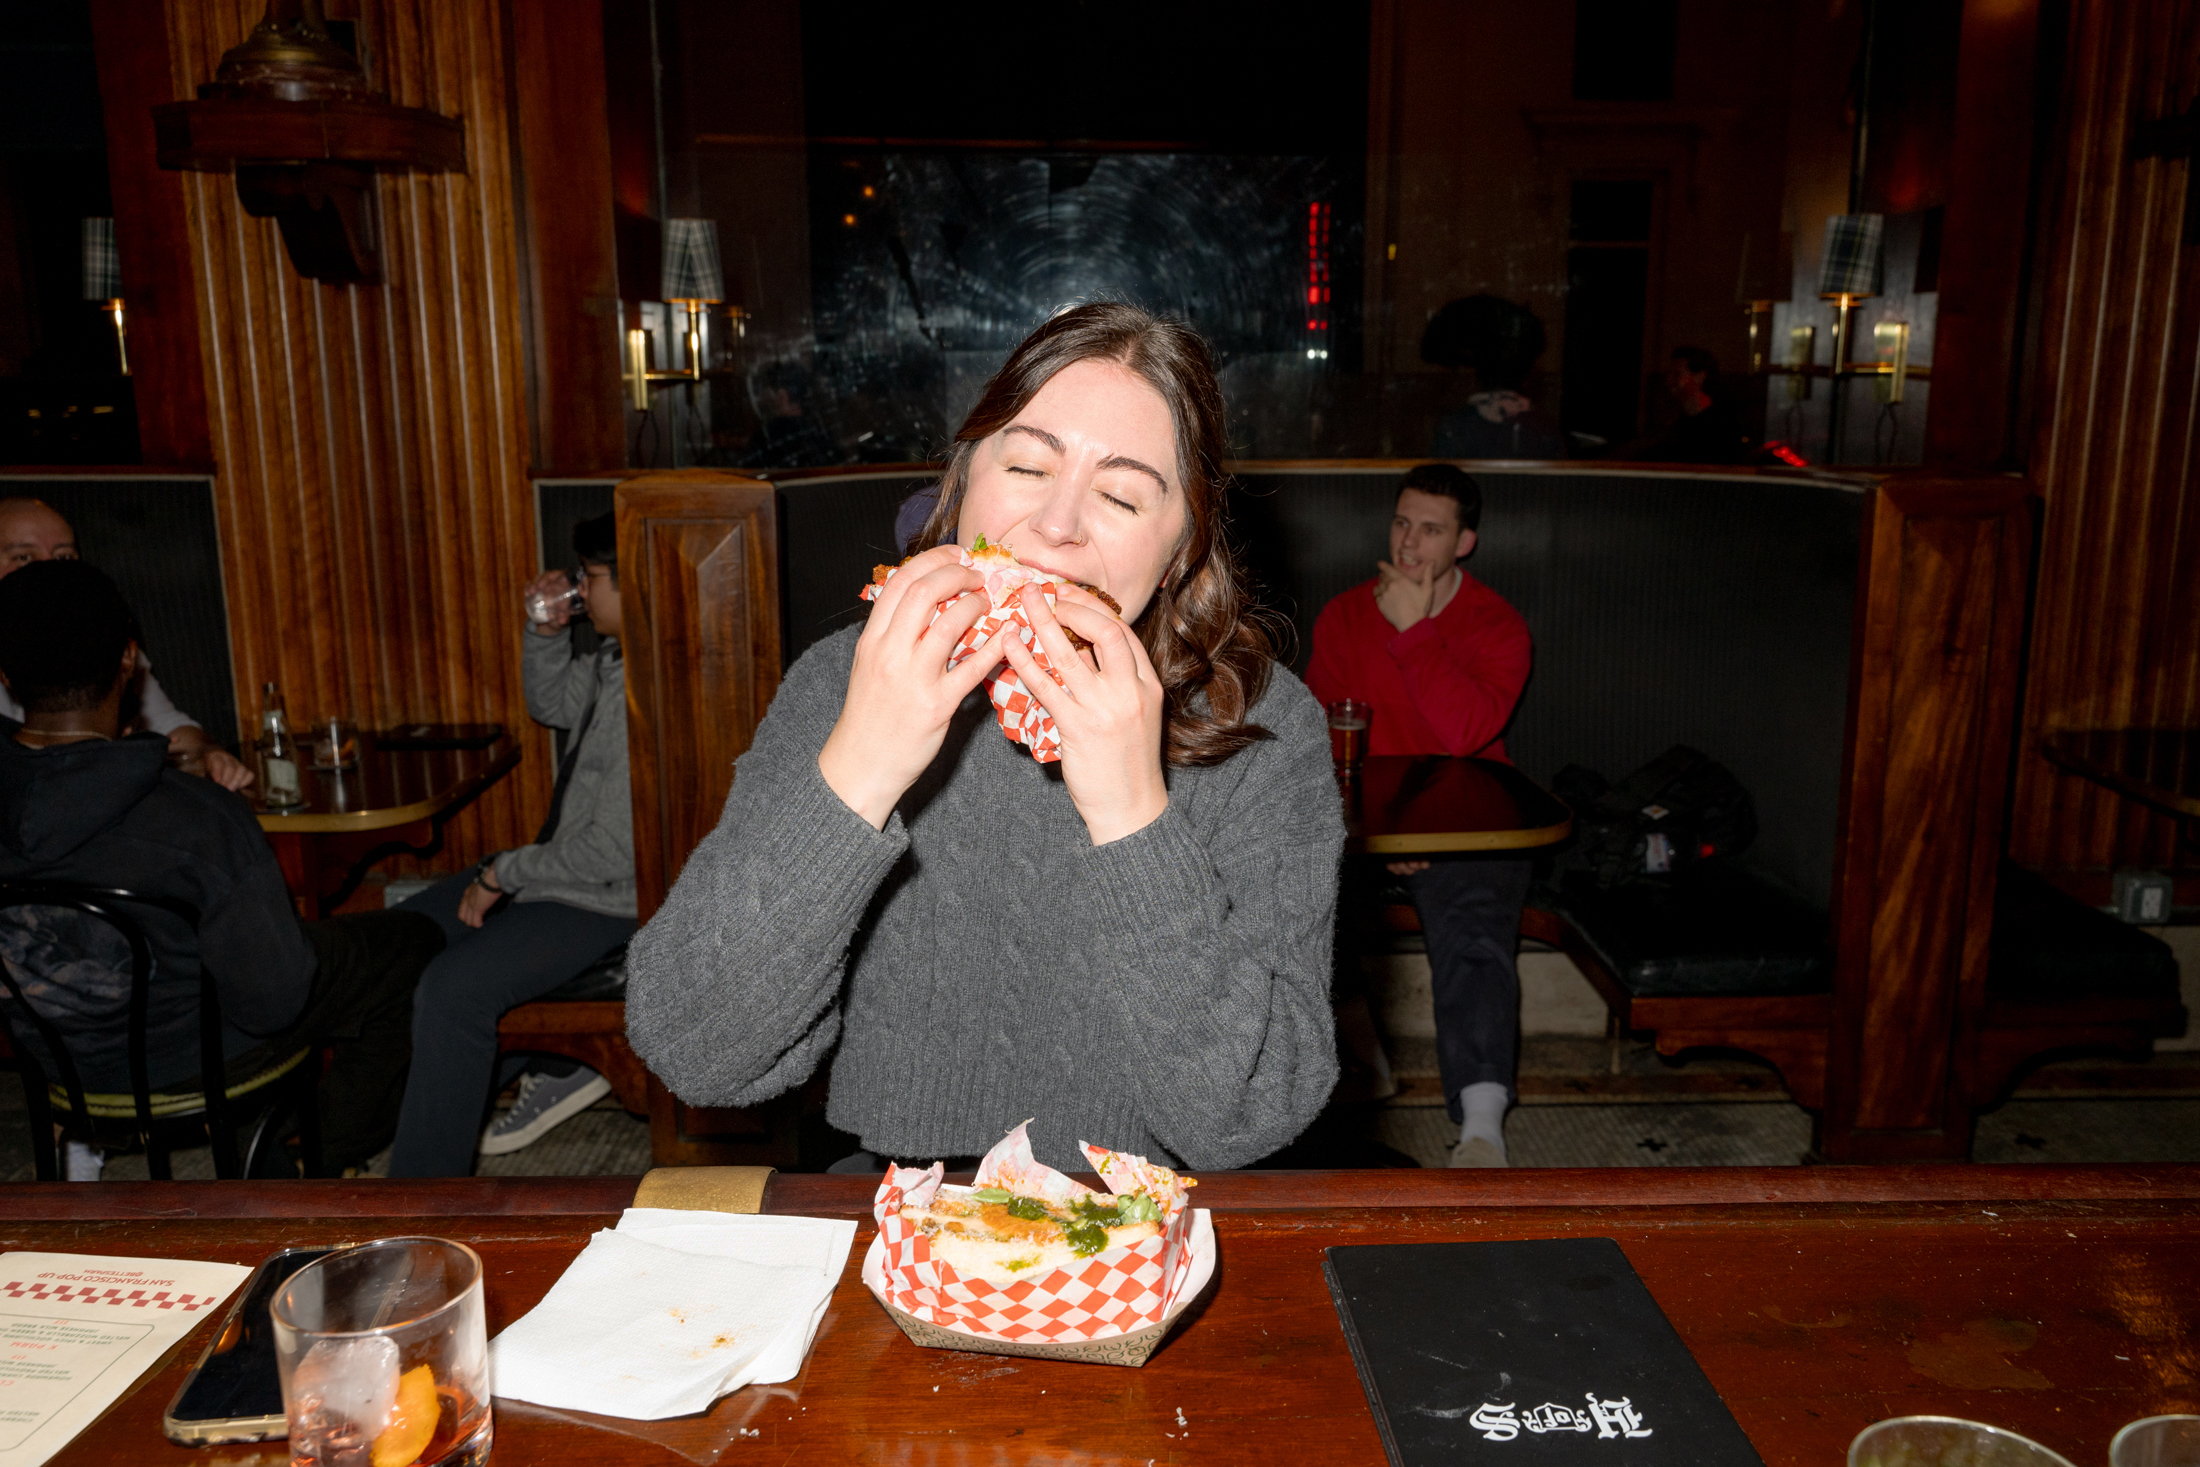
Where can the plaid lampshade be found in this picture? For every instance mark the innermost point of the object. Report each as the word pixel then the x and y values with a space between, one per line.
pixel 1855 260
pixel 691 261
pixel 102 266
pixel 1768 267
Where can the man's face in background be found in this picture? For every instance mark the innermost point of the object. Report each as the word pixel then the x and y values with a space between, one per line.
pixel 1425 531
pixel 31 531
pixel 600 589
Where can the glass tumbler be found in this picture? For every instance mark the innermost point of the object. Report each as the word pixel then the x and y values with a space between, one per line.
pixel 1348 722
pixel 2157 1441
pixel 335 744
pixel 544 605
pixel 383 1351
pixel 1946 1441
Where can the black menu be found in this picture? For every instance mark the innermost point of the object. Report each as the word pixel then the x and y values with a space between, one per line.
pixel 1537 1352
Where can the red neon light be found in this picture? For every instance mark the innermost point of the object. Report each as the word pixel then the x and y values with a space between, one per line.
pixel 1317 266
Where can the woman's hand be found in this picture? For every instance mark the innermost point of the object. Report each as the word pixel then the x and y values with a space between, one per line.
pixel 1109 708
pixel 901 693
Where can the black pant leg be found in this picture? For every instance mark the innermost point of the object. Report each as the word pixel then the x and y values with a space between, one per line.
pixel 370 963
pixel 520 954
pixel 1470 914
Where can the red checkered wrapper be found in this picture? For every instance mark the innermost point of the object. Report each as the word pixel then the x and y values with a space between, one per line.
pixel 1108 1294
pixel 1022 717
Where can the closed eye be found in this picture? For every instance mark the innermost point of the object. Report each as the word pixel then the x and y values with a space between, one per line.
pixel 1119 503
pixel 1027 469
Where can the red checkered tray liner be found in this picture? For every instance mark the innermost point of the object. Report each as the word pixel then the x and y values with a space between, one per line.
pixel 1108 1294
pixel 1021 716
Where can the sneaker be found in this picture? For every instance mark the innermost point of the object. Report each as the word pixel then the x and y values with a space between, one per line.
pixel 544 1104
pixel 1478 1151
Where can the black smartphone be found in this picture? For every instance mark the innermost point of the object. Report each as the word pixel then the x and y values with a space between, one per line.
pixel 234 1393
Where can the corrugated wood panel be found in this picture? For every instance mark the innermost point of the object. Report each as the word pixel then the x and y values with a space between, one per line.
pixel 2116 631
pixel 371 441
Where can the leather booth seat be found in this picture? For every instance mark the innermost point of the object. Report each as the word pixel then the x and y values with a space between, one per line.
pixel 1715 927
pixel 2049 945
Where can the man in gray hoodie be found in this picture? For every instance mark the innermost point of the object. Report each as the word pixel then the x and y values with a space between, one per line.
pixel 524 921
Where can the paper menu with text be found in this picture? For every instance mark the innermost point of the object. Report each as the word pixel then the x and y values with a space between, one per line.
pixel 77 1330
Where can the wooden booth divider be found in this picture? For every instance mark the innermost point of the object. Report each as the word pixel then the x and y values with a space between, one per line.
pixel 1932 702
pixel 700 591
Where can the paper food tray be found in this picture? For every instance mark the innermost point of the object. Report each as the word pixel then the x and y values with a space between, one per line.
pixel 1133 1348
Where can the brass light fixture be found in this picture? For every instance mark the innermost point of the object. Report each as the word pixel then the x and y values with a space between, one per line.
pixel 1891 340
pixel 1766 279
pixel 692 280
pixel 290 56
pixel 103 281
pixel 305 130
pixel 1849 272
pixel 1802 350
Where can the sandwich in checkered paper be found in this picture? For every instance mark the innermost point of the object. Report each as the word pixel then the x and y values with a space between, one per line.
pixel 1021 716
pixel 1026 1255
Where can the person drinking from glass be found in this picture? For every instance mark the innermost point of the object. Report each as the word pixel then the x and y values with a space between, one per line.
pixel 525 921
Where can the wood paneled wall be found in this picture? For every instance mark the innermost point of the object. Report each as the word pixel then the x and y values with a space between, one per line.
pixel 2116 621
pixel 370 443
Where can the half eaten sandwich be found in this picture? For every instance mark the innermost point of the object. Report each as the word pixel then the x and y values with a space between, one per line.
pixel 993 1234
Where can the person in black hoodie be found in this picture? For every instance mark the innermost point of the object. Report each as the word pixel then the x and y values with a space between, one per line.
pixel 81 802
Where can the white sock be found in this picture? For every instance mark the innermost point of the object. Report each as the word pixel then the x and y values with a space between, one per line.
pixel 1484 1104
pixel 81 1163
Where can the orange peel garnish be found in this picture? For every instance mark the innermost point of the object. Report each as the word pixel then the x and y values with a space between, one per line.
pixel 412 1420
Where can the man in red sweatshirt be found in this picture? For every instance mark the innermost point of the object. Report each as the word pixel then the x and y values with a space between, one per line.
pixel 1441 659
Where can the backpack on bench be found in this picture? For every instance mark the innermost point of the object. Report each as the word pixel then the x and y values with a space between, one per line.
pixel 1680 808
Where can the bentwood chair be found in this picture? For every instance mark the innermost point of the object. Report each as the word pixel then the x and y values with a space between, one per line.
pixel 144 1116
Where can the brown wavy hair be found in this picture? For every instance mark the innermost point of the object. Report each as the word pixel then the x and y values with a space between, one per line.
pixel 1205 638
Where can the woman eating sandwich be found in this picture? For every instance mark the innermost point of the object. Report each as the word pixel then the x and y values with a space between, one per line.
pixel 1131 944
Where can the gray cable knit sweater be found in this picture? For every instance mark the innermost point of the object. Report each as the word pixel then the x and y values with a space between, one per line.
pixel 980 961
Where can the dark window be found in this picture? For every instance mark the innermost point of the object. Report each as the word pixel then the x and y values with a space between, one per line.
pixel 63 398
pixel 1623 50
pixel 1609 228
pixel 1611 211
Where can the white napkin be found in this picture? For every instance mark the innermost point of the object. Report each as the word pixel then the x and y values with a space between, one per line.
pixel 671 1310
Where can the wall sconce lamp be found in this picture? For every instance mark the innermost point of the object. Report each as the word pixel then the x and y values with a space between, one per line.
pixel 1802 349
pixel 1766 278
pixel 1851 272
pixel 1760 334
pixel 1891 345
pixel 691 279
pixel 103 280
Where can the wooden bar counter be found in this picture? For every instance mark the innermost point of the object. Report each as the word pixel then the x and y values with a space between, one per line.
pixel 2060 1302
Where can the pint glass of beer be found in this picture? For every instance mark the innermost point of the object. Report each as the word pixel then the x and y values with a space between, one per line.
pixel 1348 735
